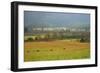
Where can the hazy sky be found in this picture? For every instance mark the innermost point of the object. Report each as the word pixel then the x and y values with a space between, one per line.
pixel 55 18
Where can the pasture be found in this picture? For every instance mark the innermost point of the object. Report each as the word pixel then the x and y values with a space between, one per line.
pixel 56 50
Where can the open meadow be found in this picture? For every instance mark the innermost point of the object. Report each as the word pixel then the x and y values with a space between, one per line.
pixel 56 50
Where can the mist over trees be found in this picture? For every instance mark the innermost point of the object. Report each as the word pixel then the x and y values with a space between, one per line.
pixel 46 33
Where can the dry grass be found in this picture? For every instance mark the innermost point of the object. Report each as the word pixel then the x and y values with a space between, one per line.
pixel 56 50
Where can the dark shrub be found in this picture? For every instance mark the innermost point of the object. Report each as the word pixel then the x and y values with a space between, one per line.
pixel 29 39
pixel 82 40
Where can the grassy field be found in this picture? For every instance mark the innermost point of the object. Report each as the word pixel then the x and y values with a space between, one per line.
pixel 56 50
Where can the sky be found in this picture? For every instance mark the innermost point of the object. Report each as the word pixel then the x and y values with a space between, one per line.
pixel 54 19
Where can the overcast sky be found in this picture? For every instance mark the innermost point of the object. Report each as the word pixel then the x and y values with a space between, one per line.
pixel 55 18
